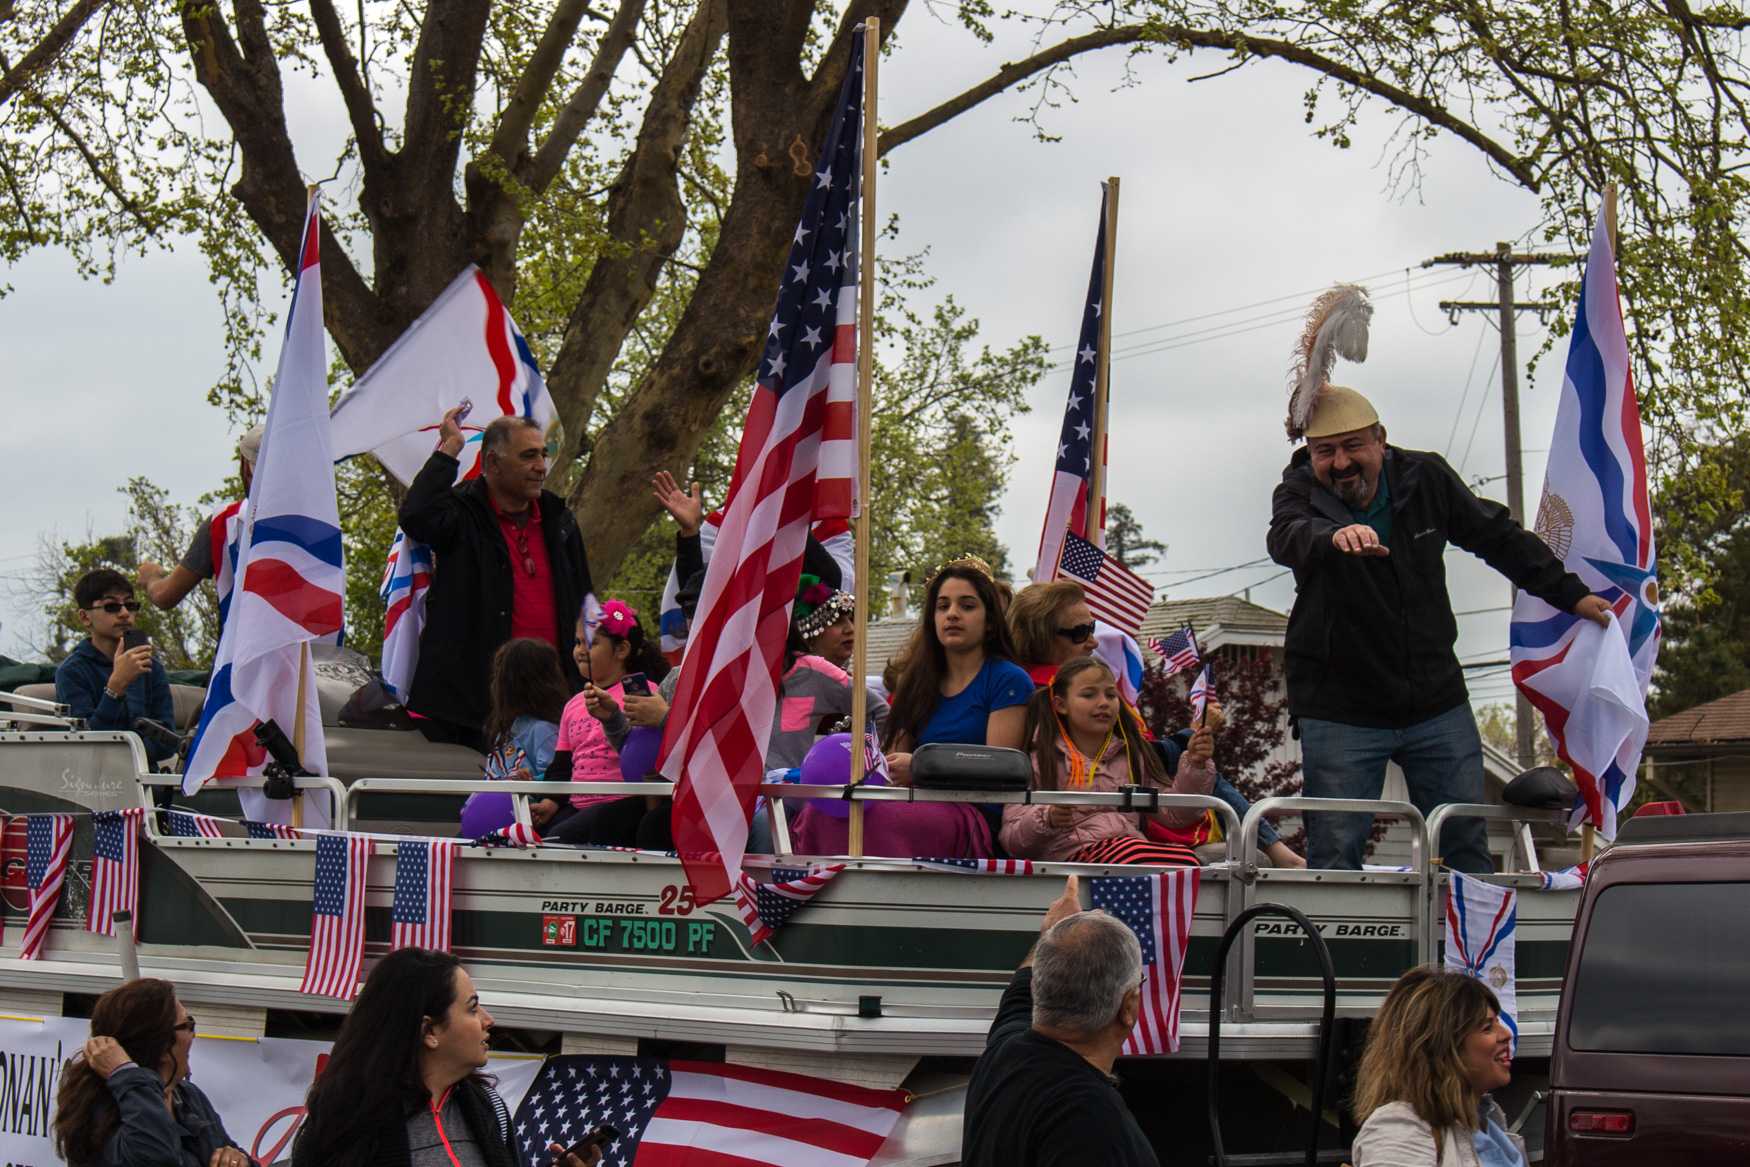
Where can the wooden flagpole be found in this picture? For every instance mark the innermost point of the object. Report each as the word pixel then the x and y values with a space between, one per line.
pixel 865 396
pixel 299 730
pixel 1102 375
pixel 1589 830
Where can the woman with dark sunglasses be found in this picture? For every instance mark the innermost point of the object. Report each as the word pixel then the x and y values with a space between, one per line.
pixel 1052 625
pixel 127 1101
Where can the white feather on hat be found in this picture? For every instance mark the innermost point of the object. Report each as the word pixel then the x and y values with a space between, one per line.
pixel 1336 325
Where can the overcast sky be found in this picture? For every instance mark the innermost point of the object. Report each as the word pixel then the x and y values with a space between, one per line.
pixel 1232 217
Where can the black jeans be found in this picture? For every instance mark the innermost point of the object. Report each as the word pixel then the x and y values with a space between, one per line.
pixel 624 822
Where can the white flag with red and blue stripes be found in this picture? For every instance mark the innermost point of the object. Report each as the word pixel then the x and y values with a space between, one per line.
pixel 1590 683
pixel 1202 691
pixel 406 581
pixel 289 578
pixel 1482 922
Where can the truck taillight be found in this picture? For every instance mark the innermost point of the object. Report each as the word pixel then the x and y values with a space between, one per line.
pixel 1602 1122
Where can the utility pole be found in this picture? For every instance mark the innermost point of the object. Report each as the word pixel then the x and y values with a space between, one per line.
pixel 1504 259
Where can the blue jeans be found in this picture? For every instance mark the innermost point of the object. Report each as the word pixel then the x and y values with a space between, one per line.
pixel 1442 760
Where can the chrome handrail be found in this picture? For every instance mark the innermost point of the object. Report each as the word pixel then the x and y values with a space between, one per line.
pixel 337 793
pixel 1487 810
pixel 39 704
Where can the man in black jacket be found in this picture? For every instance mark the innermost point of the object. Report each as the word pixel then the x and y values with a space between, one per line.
pixel 1371 672
pixel 510 563
pixel 1043 1093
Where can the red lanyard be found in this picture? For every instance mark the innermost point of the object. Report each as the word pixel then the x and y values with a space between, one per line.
pixel 437 1120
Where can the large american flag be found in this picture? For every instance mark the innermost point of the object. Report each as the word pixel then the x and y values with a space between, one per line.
pixel 419 917
pixel 702 1114
pixel 48 844
pixel 797 464
pixel 1158 908
pixel 1067 510
pixel 1115 594
pixel 1178 649
pixel 766 907
pixel 115 868
pixel 337 918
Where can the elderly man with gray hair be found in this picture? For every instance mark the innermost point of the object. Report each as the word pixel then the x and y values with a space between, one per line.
pixel 1043 1093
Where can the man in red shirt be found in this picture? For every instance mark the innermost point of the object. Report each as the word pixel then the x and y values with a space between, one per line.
pixel 510 563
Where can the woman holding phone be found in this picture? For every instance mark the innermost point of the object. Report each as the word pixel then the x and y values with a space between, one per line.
pixel 404 1083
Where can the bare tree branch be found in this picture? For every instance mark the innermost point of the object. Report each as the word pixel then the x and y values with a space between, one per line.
pixel 43 53
pixel 583 103
pixel 360 109
pixel 1195 38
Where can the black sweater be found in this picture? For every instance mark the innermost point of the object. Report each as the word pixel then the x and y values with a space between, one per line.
pixel 1370 638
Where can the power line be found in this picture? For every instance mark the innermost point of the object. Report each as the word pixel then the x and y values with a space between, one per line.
pixel 1477 421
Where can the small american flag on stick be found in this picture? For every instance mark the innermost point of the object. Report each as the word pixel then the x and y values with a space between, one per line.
pixel 1158 908
pixel 337 919
pixel 420 914
pixel 115 868
pixel 1178 649
pixel 1115 594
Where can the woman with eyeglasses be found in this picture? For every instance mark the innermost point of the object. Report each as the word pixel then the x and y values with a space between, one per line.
pixel 127 1101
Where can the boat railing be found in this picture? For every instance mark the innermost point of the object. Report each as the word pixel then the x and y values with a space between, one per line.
pixel 335 788
pixel 37 711
pixel 1526 818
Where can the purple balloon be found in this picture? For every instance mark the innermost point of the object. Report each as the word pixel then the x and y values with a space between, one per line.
pixel 638 754
pixel 484 813
pixel 829 764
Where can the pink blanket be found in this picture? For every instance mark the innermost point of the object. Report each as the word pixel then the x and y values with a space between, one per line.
pixel 899 830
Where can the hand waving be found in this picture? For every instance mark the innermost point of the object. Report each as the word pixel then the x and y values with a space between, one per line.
pixel 687 507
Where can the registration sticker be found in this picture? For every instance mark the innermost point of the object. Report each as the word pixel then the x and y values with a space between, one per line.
pixel 559 931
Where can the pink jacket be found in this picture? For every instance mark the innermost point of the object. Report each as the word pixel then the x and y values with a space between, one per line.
pixel 1027 835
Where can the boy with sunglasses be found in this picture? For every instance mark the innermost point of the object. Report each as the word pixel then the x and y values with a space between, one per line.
pixel 99 681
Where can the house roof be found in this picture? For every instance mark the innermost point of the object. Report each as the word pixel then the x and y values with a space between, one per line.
pixel 886 637
pixel 1724 720
pixel 1217 620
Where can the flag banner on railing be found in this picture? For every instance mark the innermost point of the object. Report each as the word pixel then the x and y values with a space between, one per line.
pixel 186 824
pixel 1482 940
pixel 419 916
pixel 270 830
pixel 766 907
pixel 337 916
pixel 115 868
pixel 1567 879
pixel 982 866
pixel 694 1114
pixel 48 846
pixel 1158 908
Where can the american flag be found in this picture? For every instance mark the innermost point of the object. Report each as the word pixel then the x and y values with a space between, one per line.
pixel 1202 691
pixel 1178 649
pixel 1066 512
pixel 186 824
pixel 420 914
pixel 337 919
pixel 269 830
pixel 796 465
pixel 766 907
pixel 1158 908
pixel 691 1114
pixel 48 844
pixel 515 835
pixel 985 866
pixel 115 868
pixel 1115 594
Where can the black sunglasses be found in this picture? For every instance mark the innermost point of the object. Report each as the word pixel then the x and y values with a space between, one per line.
pixel 184 1025
pixel 114 607
pixel 1079 633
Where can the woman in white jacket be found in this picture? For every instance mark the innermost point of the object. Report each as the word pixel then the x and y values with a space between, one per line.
pixel 1433 1053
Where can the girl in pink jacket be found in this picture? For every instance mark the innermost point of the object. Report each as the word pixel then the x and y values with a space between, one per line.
pixel 1082 740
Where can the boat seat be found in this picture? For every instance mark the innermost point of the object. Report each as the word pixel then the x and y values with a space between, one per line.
pixel 185 701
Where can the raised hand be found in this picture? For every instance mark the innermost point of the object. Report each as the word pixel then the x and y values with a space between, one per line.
pixel 687 507
pixel 1359 539
pixel 450 437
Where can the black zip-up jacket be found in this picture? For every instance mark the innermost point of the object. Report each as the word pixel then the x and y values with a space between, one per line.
pixel 1370 638
pixel 467 613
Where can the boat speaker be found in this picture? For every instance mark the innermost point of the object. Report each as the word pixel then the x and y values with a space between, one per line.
pixel 949 766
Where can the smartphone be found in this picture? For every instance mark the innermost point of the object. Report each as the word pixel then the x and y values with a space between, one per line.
pixel 467 404
pixel 600 1136
pixel 133 638
pixel 635 685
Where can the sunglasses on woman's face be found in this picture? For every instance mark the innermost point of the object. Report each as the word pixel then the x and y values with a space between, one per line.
pixel 1078 634
pixel 114 607
pixel 184 1026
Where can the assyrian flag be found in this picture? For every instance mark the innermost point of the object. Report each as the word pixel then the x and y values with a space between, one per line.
pixel 1589 683
pixel 464 348
pixel 1481 940
pixel 419 915
pixel 1123 656
pixel 289 575
pixel 833 534
pixel 406 580
pixel 115 868
pixel 1202 691
pixel 1567 879
pixel 1158 908
pixel 1067 510
pixel 766 907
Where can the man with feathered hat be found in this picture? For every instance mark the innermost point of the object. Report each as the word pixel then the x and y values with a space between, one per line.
pixel 1371 672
